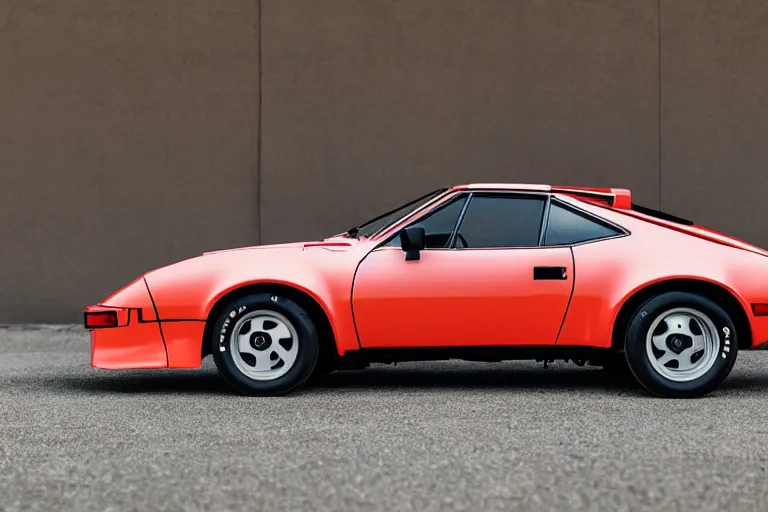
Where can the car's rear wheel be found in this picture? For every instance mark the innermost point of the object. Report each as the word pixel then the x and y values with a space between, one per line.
pixel 681 345
pixel 264 344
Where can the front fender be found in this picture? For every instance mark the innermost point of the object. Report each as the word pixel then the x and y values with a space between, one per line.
pixel 190 289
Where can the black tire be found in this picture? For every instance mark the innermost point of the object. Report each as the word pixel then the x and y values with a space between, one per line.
pixel 725 345
pixel 307 345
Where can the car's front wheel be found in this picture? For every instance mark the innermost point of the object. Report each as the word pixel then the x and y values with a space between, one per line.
pixel 681 345
pixel 264 344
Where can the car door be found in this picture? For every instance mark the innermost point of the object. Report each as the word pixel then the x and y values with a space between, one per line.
pixel 483 279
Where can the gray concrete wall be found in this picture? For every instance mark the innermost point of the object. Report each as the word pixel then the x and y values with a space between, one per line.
pixel 128 139
pixel 134 134
pixel 714 117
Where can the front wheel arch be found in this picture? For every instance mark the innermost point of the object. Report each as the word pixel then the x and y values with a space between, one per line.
pixel 714 292
pixel 326 335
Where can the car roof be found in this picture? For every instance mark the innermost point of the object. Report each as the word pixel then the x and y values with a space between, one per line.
pixel 620 198
pixel 505 186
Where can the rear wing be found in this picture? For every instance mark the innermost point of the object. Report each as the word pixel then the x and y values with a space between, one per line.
pixel 620 198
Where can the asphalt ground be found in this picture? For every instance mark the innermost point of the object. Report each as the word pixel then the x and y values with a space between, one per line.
pixel 436 436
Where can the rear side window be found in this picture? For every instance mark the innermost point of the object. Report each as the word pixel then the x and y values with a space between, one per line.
pixel 566 226
pixel 501 221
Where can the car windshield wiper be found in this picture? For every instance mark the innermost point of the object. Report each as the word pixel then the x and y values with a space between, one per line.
pixel 353 233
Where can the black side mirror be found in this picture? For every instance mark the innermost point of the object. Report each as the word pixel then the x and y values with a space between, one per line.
pixel 413 240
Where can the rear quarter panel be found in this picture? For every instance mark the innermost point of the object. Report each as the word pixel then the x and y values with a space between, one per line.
pixel 609 272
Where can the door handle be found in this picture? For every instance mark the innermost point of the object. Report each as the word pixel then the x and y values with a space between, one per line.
pixel 549 273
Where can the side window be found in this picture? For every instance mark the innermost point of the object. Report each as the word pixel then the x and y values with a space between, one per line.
pixel 566 226
pixel 438 226
pixel 501 222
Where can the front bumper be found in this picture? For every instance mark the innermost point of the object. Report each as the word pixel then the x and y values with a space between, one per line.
pixel 135 345
pixel 140 339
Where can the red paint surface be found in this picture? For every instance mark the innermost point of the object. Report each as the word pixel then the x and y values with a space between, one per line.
pixel 448 297
pixel 460 297
pixel 137 345
pixel 184 342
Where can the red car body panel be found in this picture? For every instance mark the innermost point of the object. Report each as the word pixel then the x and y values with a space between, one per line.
pixel 464 298
pixel 448 298
pixel 324 271
pixel 609 272
pixel 137 341
pixel 184 343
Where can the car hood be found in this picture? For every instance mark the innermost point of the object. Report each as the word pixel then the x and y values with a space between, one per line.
pixel 186 289
pixel 276 255
pixel 334 243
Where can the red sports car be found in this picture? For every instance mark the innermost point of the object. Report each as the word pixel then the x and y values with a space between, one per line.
pixel 484 272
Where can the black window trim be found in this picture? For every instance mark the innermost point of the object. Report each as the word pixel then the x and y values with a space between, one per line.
pixel 545 221
pixel 452 240
pixel 549 199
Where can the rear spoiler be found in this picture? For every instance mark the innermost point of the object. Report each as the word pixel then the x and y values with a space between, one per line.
pixel 620 198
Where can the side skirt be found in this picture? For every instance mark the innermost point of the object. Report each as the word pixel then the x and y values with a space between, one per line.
pixel 578 354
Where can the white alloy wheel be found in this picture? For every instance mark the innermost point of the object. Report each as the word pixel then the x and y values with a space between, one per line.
pixel 264 345
pixel 682 344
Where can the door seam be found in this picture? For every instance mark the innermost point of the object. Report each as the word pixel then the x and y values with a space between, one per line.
pixel 573 289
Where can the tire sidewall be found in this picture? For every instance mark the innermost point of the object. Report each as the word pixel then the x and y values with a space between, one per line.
pixel 636 352
pixel 307 341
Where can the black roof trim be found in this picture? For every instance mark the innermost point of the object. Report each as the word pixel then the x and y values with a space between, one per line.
pixel 661 215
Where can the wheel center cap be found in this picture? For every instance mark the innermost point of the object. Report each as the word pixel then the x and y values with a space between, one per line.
pixel 260 340
pixel 678 342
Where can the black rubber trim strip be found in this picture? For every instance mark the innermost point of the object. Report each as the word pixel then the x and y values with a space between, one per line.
pixel 661 215
pixel 545 221
pixel 163 321
pixel 141 317
pixel 477 353
pixel 142 321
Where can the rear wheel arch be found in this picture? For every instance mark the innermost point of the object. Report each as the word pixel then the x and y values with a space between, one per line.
pixel 313 307
pixel 715 292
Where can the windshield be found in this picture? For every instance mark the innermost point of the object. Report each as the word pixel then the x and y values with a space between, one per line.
pixel 374 226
